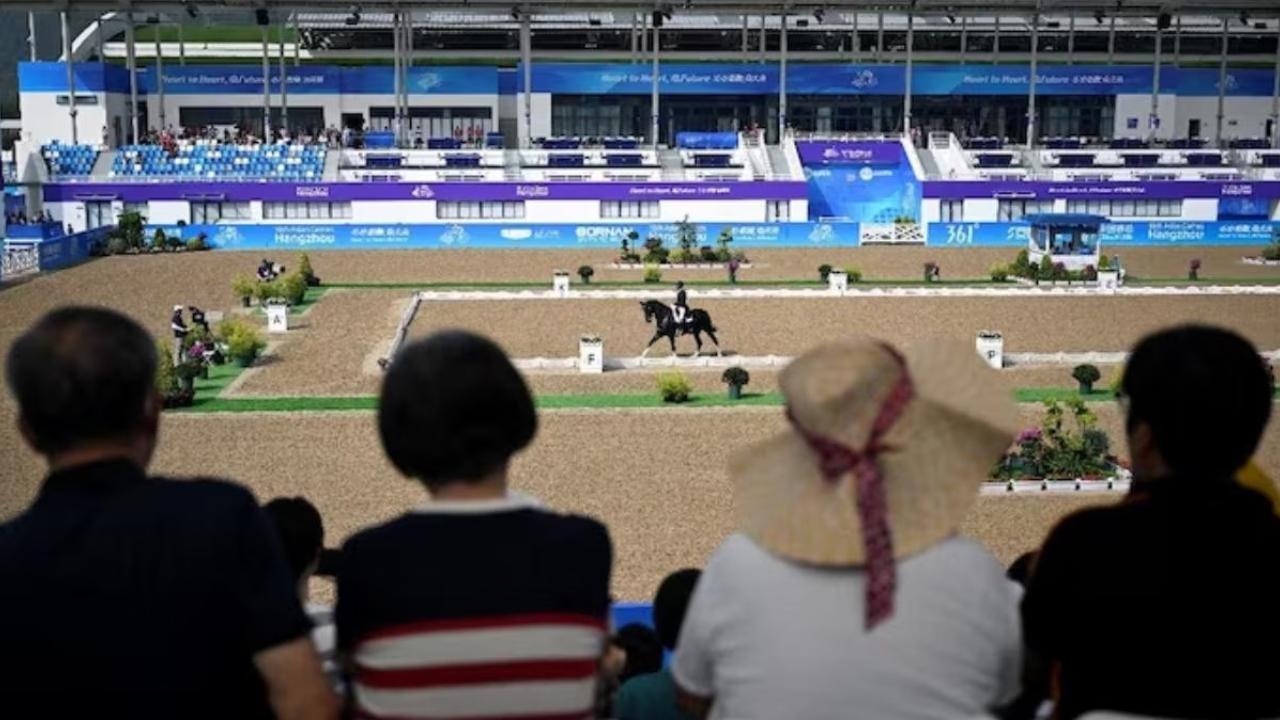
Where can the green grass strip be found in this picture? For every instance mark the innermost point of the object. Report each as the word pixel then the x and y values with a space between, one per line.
pixel 630 284
pixel 311 297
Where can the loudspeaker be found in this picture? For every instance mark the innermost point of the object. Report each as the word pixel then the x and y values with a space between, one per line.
pixel 262 16
pixel 1164 21
pixel 657 18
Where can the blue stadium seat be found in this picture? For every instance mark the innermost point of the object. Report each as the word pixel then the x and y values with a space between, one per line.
pixel 69 160
pixel 216 160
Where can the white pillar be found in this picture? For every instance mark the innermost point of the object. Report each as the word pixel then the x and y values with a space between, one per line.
pixel 1155 85
pixel 98 39
pixel 526 58
pixel 284 81
pixel 71 78
pixel 266 87
pixel 764 38
pixel 1275 96
pixel 745 36
pixel 395 74
pixel 856 45
pixel 407 66
pixel 782 79
pixel 964 37
pixel 31 34
pixel 1071 40
pixel 880 36
pixel 653 98
pixel 1222 84
pixel 906 95
pixel 995 42
pixel 1177 41
pixel 1111 41
pixel 131 61
pixel 644 34
pixel 160 77
pixel 1031 81
pixel 635 38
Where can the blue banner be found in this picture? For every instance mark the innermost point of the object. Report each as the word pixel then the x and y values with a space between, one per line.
pixel 507 235
pixel 89 77
pixel 69 249
pixel 1241 82
pixel 845 187
pixel 1114 233
pixel 673 79
pixel 321 80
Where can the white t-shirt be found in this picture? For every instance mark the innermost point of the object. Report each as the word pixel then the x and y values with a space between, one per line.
pixel 769 638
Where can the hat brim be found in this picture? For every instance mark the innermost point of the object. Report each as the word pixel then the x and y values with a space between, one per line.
pixel 939 454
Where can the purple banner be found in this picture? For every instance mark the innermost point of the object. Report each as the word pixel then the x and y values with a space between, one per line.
pixel 861 152
pixel 1156 190
pixel 285 192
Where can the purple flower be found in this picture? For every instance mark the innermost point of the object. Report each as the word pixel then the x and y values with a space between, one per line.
pixel 1029 435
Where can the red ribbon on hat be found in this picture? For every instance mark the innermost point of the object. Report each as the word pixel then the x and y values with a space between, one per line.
pixel 835 459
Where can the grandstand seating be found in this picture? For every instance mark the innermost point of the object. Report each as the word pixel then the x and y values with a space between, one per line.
pixel 222 161
pixel 69 160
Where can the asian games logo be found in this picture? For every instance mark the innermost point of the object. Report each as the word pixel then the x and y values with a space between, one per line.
pixel 423 192
pixel 822 234
pixel 866 173
pixel 455 235
pixel 226 236
pixel 865 79
pixel 429 81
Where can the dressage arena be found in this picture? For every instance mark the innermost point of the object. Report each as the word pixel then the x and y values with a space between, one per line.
pixel 655 475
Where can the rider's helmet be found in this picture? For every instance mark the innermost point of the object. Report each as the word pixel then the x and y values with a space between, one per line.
pixel 679 284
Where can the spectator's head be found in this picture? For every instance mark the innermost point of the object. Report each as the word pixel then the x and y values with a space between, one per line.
pixel 301 532
pixel 1196 400
pixel 643 650
pixel 1020 570
pixel 454 410
pixel 84 379
pixel 671 603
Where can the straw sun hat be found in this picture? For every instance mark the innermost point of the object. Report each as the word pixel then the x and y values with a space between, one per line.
pixel 882 459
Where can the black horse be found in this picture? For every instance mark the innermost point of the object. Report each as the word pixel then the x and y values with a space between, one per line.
pixel 697 323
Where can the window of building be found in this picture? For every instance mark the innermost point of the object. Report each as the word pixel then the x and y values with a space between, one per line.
pixel 97 213
pixel 951 211
pixel 778 210
pixel 205 213
pixel 485 209
pixel 1127 208
pixel 1014 210
pixel 627 209
pixel 306 210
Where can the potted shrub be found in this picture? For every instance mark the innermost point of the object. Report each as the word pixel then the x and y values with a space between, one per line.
pixel 1090 273
pixel 823 271
pixel 853 273
pixel 197 243
pixel 585 272
pixel 1086 375
pixel 159 241
pixel 244 288
pixel 293 288
pixel 722 245
pixel 629 255
pixel 932 272
pixel 1059 271
pixel 736 378
pixel 1193 269
pixel 267 290
pixel 652 274
pixel 707 254
pixel 655 253
pixel 687 239
pixel 999 273
pixel 1046 268
pixel 1022 264
pixel 243 339
pixel 674 387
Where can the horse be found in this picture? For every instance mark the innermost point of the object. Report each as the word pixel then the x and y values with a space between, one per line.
pixel 664 319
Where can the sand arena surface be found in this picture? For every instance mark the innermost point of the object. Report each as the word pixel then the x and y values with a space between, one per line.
pixel 656 477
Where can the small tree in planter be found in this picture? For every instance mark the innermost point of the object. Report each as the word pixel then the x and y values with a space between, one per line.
pixel 1022 264
pixel 674 387
pixel 1059 271
pixel 1090 273
pixel 686 238
pixel 707 255
pixel 652 274
pixel 304 269
pixel 1193 270
pixel 999 273
pixel 722 245
pixel 823 271
pixel 1104 262
pixel 172 391
pixel 655 253
pixel 629 255
pixel 736 378
pixel 198 243
pixel 293 288
pixel 853 273
pixel 1046 268
pixel 243 339
pixel 265 291
pixel 244 288
pixel 1086 375
pixel 585 272
pixel 159 241
pixel 129 228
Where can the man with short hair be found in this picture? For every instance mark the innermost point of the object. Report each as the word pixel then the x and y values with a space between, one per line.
pixel 1164 604
pixel 131 595
pixel 479 602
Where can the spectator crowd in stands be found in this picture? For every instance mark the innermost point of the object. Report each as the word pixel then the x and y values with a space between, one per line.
pixel 845 592
pixel 20 218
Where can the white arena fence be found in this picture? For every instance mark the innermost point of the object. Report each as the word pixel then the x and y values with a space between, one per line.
pixel 17 262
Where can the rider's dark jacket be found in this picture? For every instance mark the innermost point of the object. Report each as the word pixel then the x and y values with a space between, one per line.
pixel 681 299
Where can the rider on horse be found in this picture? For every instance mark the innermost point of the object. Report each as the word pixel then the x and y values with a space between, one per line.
pixel 680 311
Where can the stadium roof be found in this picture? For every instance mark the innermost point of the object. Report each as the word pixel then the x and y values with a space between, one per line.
pixel 1264 8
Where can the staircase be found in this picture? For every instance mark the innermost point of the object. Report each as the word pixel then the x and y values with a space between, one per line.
pixel 672 165
pixel 102 166
pixel 779 168
pixel 332 162
pixel 511 165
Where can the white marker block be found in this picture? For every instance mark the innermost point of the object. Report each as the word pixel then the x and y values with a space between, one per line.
pixel 590 354
pixel 277 318
pixel 991 347
pixel 560 283
pixel 1108 281
pixel 837 281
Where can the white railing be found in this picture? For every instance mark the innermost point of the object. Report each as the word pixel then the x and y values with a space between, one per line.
pixel 17 262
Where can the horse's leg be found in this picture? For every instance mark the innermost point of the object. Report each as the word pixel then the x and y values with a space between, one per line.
pixel 672 337
pixel 697 338
pixel 712 335
pixel 652 340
